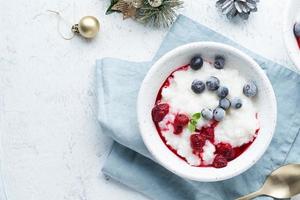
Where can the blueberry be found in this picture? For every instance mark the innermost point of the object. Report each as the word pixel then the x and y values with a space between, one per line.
pixel 219 62
pixel 224 103
pixel 297 29
pixel 196 62
pixel 207 113
pixel 219 114
pixel 198 86
pixel 236 103
pixel 222 92
pixel 250 89
pixel 212 83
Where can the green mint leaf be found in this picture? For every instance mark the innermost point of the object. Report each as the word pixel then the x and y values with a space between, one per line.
pixel 191 127
pixel 193 121
pixel 196 116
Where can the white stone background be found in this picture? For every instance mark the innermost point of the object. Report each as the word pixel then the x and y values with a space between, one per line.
pixel 51 144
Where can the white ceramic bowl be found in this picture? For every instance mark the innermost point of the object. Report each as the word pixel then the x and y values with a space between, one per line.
pixel 266 106
pixel 291 14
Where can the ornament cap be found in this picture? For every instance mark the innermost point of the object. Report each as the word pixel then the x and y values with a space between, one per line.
pixel 75 28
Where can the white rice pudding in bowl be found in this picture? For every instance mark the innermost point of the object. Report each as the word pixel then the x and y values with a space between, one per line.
pixel 205 113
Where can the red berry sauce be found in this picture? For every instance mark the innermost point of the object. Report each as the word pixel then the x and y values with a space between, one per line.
pixel 298 41
pixel 224 151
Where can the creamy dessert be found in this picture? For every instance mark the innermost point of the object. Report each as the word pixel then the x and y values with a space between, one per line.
pixel 205 113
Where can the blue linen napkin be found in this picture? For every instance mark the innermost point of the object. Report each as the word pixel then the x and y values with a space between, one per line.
pixel 130 163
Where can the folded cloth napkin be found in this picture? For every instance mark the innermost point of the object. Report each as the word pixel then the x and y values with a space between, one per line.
pixel 130 163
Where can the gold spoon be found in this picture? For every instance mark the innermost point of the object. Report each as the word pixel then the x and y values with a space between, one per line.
pixel 282 183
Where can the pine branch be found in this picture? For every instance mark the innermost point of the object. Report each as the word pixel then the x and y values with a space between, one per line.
pixel 162 16
pixel 109 10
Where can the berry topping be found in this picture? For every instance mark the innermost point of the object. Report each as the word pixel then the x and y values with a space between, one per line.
pixel 225 150
pixel 219 114
pixel 212 83
pixel 208 133
pixel 197 142
pixel 198 86
pixel 297 29
pixel 236 103
pixel 222 92
pixel 196 62
pixel 178 129
pixel 298 41
pixel 181 120
pixel 250 89
pixel 224 103
pixel 219 62
pixel 220 161
pixel 207 113
pixel 160 111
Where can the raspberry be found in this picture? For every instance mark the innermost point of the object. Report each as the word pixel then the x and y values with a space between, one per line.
pixel 181 120
pixel 159 112
pixel 178 130
pixel 225 150
pixel 220 161
pixel 208 133
pixel 197 142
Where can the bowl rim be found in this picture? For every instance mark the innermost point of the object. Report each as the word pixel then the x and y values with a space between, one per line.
pixel 289 39
pixel 169 55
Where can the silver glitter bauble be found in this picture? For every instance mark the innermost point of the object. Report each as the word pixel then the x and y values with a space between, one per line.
pixel 135 3
pixel 155 3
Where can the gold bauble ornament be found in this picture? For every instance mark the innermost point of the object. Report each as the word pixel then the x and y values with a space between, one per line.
pixel 87 27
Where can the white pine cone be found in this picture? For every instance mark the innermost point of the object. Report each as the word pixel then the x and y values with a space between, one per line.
pixel 242 8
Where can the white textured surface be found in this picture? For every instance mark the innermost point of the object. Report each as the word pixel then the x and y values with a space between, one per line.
pixel 208 153
pixel 51 145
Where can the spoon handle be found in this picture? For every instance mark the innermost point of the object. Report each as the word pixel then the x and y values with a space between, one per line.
pixel 250 196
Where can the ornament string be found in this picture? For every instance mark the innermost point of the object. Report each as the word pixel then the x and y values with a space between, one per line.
pixel 60 18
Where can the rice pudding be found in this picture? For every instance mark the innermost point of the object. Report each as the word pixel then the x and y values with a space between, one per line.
pixel 205 113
